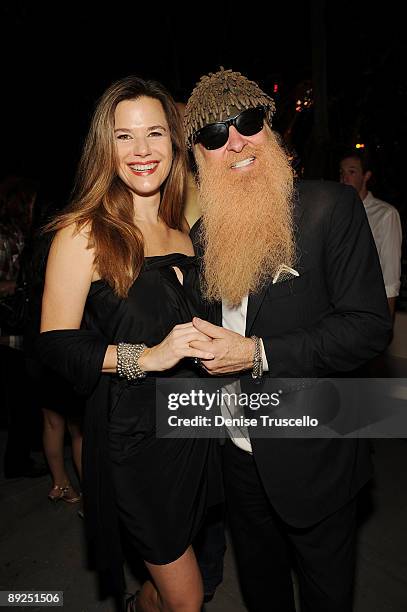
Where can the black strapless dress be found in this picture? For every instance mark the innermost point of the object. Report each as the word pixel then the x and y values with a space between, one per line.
pixel 162 487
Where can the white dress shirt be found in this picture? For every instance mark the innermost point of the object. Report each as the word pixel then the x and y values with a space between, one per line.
pixel 235 320
pixel 384 221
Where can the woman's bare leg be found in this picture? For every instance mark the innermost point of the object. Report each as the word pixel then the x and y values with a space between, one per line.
pixel 53 440
pixel 177 586
pixel 75 430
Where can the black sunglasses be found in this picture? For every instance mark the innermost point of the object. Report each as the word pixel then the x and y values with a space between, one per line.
pixel 215 135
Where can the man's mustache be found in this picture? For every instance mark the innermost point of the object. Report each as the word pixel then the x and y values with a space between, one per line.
pixel 233 157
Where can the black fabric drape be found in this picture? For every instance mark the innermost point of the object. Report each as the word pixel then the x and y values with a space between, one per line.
pixel 78 354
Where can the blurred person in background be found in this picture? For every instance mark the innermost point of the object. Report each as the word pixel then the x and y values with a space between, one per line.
pixel 17 197
pixel 384 221
pixel 61 407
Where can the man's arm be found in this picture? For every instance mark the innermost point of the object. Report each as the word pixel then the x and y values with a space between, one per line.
pixel 358 326
pixel 392 306
pixel 390 256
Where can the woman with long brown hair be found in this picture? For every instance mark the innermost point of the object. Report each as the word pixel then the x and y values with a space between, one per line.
pixel 120 293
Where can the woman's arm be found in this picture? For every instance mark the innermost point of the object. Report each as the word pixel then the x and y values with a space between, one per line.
pixel 68 277
pixel 70 270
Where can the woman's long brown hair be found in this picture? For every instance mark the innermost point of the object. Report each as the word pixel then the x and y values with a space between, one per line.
pixel 101 201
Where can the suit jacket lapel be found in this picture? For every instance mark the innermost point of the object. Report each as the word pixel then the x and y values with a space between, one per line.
pixel 253 305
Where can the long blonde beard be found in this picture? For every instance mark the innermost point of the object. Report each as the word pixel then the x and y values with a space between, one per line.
pixel 247 228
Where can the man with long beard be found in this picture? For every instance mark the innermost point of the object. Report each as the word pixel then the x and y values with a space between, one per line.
pixel 295 281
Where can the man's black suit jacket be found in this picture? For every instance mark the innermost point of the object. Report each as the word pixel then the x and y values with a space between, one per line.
pixel 332 318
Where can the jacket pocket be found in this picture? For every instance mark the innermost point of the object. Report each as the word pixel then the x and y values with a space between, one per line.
pixel 296 285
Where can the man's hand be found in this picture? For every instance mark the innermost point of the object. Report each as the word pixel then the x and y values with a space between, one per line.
pixel 233 352
pixel 175 346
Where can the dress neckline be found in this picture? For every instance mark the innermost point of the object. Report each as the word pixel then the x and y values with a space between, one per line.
pixel 169 259
pixel 169 255
pixel 151 258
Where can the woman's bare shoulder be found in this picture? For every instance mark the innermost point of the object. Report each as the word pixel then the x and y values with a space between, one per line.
pixel 74 235
pixel 71 248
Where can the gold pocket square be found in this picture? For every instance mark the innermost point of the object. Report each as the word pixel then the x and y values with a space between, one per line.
pixel 284 273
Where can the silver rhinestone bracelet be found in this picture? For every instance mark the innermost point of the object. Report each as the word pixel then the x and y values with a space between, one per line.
pixel 257 370
pixel 127 360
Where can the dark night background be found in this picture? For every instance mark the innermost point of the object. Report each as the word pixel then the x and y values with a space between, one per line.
pixel 58 58
pixel 346 59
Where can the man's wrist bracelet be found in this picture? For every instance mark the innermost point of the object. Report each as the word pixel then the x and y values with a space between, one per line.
pixel 127 360
pixel 257 370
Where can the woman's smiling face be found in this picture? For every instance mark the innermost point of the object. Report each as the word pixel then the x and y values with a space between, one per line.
pixel 143 144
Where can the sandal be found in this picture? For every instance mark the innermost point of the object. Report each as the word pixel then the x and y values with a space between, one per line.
pixel 56 493
pixel 70 496
pixel 67 493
